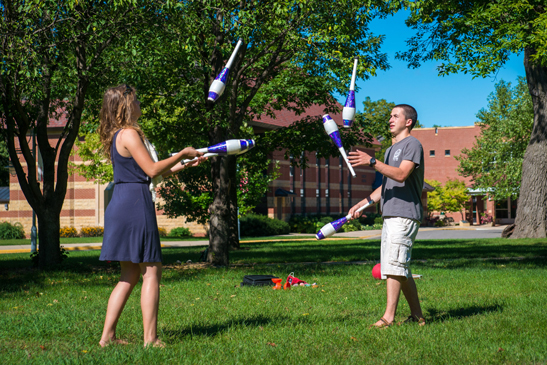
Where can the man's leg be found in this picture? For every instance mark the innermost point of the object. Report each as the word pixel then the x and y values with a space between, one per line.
pixel 411 294
pixel 394 286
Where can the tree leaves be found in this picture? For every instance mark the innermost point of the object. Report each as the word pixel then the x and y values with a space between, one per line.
pixel 495 160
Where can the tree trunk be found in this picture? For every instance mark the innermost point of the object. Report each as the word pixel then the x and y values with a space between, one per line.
pixel 233 240
pixel 219 225
pixel 532 208
pixel 48 238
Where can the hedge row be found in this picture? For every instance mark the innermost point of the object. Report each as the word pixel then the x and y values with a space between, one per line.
pixel 256 225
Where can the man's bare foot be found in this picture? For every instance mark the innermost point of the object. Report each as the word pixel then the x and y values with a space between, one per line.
pixel 117 341
pixel 157 343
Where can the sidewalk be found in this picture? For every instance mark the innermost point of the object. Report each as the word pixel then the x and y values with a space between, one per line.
pixel 452 232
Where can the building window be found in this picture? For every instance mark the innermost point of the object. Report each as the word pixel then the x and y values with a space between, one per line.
pixel 432 153
pixel 447 153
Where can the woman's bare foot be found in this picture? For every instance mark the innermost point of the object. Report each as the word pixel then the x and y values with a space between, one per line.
pixel 104 343
pixel 157 343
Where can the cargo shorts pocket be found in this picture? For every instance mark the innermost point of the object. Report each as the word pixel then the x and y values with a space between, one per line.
pixel 399 251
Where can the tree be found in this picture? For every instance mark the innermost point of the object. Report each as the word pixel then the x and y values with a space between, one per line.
pixel 54 55
pixel 495 160
pixel 452 197
pixel 376 116
pixel 4 162
pixel 295 55
pixel 479 37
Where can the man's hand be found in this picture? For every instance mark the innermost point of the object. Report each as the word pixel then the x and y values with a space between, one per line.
pixel 359 158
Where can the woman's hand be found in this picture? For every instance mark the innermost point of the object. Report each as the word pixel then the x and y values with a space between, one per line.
pixel 191 152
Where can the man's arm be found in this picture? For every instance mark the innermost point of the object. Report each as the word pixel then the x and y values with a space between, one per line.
pixel 399 174
pixel 375 197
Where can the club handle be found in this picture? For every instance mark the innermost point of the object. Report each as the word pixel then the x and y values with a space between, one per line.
pixel 234 53
pixel 354 74
pixel 368 204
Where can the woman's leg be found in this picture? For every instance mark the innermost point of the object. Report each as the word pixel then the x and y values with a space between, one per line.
pixel 129 278
pixel 150 300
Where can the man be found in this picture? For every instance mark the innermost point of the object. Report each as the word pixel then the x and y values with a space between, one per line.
pixel 402 210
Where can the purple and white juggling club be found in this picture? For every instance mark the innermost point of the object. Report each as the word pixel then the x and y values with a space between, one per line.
pixel 228 147
pixel 348 113
pixel 331 228
pixel 217 87
pixel 332 130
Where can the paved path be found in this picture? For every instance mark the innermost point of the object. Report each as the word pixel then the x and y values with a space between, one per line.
pixel 423 233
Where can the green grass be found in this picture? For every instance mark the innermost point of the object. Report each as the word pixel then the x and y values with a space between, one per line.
pixel 15 242
pixel 478 311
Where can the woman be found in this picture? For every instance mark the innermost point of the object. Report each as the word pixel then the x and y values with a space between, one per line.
pixel 131 231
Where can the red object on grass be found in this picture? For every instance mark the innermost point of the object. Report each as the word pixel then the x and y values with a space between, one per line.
pixel 294 281
pixel 376 272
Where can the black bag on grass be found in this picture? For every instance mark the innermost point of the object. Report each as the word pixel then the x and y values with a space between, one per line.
pixel 258 280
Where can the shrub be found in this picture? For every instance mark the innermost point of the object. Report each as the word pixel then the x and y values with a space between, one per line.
pixel 162 231
pixel 374 226
pixel 351 226
pixel 486 218
pixel 439 223
pixel 303 224
pixel 91 232
pixel 11 231
pixel 379 220
pixel 65 232
pixel 368 219
pixel 180 232
pixel 431 220
pixel 256 225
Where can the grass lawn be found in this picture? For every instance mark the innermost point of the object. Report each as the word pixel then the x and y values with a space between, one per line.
pixel 478 311
pixel 26 241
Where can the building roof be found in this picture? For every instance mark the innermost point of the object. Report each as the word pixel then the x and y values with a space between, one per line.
pixel 284 117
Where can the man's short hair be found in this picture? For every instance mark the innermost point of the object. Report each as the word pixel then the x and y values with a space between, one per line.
pixel 410 113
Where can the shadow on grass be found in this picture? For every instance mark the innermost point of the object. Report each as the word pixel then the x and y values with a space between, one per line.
pixel 214 329
pixel 461 313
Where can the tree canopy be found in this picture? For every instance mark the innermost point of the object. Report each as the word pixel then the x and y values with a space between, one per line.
pixel 479 37
pixel 452 197
pixel 495 160
pixel 54 55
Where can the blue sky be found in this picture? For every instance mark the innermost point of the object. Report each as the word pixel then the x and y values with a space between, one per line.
pixel 452 100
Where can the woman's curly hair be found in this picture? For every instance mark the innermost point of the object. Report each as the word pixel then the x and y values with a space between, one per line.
pixel 116 114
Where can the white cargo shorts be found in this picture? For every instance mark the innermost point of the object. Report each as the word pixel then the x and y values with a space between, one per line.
pixel 398 235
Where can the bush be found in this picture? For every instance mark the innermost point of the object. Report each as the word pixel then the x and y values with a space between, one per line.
pixel 66 232
pixel 180 232
pixel 368 219
pixel 379 220
pixel 91 232
pixel 351 226
pixel 374 226
pixel 486 218
pixel 11 231
pixel 162 231
pixel 304 224
pixel 439 223
pixel 256 225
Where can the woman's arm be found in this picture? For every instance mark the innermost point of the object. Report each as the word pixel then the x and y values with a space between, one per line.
pixel 181 166
pixel 129 144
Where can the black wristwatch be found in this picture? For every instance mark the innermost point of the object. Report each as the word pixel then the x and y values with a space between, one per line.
pixel 372 162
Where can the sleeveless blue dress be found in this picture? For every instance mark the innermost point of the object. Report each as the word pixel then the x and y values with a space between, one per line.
pixel 130 225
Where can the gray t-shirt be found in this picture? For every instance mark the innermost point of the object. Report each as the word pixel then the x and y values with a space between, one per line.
pixel 404 199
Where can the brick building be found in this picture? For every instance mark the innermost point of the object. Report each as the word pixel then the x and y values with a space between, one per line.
pixel 326 186
pixel 440 146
